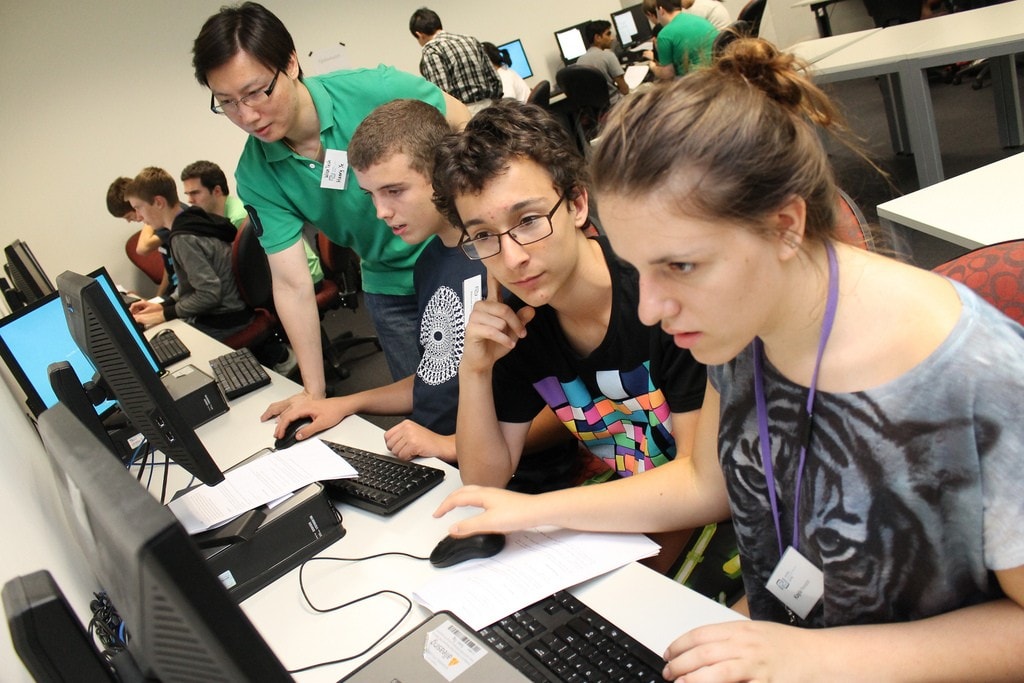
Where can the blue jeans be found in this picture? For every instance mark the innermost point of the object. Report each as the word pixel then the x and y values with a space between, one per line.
pixel 397 320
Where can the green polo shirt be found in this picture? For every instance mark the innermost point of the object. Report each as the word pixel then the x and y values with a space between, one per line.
pixel 284 187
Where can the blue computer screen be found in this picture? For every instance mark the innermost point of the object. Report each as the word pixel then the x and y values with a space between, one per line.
pixel 520 64
pixel 35 337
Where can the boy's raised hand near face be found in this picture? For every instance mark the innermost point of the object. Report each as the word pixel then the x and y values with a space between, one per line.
pixel 493 329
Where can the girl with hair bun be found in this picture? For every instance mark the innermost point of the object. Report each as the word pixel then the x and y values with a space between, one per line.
pixel 861 422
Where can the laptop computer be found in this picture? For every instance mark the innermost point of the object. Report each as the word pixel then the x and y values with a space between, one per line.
pixel 439 650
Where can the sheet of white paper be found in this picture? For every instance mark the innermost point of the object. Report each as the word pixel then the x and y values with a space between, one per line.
pixel 265 479
pixel 533 564
pixel 635 74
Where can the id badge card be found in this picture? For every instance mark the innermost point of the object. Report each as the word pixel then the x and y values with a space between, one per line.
pixel 796 582
pixel 335 169
pixel 472 291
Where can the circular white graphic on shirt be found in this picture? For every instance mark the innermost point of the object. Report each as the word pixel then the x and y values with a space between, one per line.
pixel 442 335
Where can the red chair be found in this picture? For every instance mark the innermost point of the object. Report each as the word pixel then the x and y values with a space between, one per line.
pixel 851 226
pixel 995 272
pixel 152 264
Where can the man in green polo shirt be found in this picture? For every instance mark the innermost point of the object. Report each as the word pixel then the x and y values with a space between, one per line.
pixel 294 170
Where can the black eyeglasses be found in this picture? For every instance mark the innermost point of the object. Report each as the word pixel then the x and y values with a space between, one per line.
pixel 529 230
pixel 251 100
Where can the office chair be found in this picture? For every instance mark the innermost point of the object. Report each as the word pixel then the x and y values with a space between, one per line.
pixel 540 95
pixel 851 225
pixel 737 29
pixel 152 264
pixel 252 277
pixel 587 99
pixel 341 269
pixel 995 272
pixel 752 13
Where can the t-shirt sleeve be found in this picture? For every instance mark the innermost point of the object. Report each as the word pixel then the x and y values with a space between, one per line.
pixel 279 223
pixel 681 377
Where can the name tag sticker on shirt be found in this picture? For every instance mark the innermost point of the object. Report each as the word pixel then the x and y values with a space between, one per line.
pixel 472 291
pixel 335 169
pixel 796 582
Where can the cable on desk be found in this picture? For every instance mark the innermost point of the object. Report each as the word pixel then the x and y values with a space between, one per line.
pixel 325 610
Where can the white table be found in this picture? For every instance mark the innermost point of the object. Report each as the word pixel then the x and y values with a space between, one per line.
pixel 656 611
pixel 815 50
pixel 981 207
pixel 905 51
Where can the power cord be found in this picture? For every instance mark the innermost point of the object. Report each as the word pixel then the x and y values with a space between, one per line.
pixel 325 610
pixel 106 625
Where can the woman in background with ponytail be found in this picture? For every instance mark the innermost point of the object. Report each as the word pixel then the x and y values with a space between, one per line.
pixel 861 419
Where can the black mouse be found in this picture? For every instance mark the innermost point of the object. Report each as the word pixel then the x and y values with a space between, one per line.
pixel 453 550
pixel 289 433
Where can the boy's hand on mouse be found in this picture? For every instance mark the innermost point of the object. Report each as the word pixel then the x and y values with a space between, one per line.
pixel 325 413
pixel 493 330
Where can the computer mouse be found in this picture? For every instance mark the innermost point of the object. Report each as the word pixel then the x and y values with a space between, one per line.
pixel 289 433
pixel 451 550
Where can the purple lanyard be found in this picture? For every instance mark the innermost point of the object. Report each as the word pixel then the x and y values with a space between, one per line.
pixel 762 412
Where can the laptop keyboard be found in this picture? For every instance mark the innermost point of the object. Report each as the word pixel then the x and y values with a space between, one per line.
pixel 168 348
pixel 385 484
pixel 561 639
pixel 238 372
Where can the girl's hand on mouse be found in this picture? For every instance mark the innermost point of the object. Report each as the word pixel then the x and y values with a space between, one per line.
pixel 504 511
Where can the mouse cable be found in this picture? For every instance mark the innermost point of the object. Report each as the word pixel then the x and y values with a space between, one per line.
pixel 385 591
pixel 324 610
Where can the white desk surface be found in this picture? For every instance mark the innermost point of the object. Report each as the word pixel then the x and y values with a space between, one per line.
pixel 978 33
pixel 908 49
pixel 983 206
pixel 814 50
pixel 651 607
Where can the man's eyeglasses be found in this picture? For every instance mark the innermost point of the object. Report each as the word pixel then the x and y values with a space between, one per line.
pixel 529 230
pixel 251 100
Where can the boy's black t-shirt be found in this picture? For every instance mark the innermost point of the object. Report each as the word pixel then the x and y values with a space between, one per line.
pixel 614 400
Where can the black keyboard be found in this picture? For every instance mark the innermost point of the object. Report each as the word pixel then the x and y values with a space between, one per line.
pixel 168 348
pixel 561 639
pixel 385 484
pixel 238 373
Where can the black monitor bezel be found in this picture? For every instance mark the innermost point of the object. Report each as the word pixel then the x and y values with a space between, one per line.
pixel 182 622
pixel 583 37
pixel 515 41
pixel 27 275
pixel 102 334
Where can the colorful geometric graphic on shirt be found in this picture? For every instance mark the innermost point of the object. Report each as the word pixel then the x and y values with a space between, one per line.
pixel 626 424
pixel 443 336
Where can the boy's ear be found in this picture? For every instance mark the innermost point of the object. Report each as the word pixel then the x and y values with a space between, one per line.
pixel 579 199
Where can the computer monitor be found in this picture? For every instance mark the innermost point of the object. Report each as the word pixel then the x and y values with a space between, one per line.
pixel 101 330
pixel 571 43
pixel 34 337
pixel 181 622
pixel 26 273
pixel 631 26
pixel 515 57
